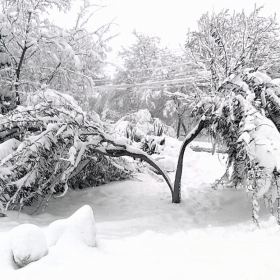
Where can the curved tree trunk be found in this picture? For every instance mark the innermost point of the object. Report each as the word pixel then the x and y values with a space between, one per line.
pixel 191 136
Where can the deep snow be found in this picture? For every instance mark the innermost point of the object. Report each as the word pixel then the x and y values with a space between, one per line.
pixel 28 244
pixel 142 235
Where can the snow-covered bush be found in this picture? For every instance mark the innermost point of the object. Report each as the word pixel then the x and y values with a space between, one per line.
pixel 153 144
pixel 62 147
pixel 28 244
pixel 54 153
pixel 101 170
pixel 141 123
pixel 141 128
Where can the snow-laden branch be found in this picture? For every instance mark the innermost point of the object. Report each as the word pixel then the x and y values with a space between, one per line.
pixel 63 145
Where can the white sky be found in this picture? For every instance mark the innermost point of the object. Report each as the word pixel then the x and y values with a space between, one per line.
pixel 167 19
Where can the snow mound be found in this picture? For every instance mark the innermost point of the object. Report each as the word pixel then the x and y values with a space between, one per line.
pixel 28 244
pixel 80 227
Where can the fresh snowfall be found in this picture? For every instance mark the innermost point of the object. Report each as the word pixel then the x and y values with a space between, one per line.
pixel 131 230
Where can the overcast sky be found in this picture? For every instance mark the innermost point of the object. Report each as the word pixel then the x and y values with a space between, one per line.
pixel 168 19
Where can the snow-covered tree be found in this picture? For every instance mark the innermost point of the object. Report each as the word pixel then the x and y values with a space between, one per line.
pixel 245 122
pixel 226 43
pixel 156 78
pixel 36 53
pixel 241 110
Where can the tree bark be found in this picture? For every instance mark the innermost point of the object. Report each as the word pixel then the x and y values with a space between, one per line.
pixel 191 136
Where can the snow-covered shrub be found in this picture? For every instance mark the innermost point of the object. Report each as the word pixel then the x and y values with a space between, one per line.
pixel 53 150
pixel 28 244
pixel 100 170
pixel 80 227
pixel 62 147
pixel 153 144
pixel 141 127
pixel 7 100
pixel 158 127
pixel 8 147
pixel 261 153
pixel 110 115
pixel 142 123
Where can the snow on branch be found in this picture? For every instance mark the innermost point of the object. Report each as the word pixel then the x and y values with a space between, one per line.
pixel 247 125
pixel 65 143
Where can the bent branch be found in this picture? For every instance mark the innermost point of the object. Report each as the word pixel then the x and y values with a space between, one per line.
pixel 120 152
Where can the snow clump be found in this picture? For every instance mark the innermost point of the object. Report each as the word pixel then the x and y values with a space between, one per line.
pixel 80 227
pixel 28 244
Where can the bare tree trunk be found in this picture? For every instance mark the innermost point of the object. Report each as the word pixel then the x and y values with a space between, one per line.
pixel 191 136
pixel 184 127
pixel 22 56
pixel 179 127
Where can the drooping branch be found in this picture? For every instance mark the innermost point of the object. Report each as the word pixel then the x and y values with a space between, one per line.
pixel 119 149
pixel 204 121
pixel 137 154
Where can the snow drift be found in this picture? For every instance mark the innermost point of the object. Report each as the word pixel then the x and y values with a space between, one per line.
pixel 28 244
pixel 80 227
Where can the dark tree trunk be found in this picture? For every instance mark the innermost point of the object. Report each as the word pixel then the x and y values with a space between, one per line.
pixel 19 67
pixel 177 184
pixel 184 127
pixel 179 127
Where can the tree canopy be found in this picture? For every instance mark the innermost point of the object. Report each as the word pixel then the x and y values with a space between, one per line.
pixel 226 43
pixel 35 53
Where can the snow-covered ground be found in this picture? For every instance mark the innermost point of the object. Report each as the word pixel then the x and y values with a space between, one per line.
pixel 140 234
